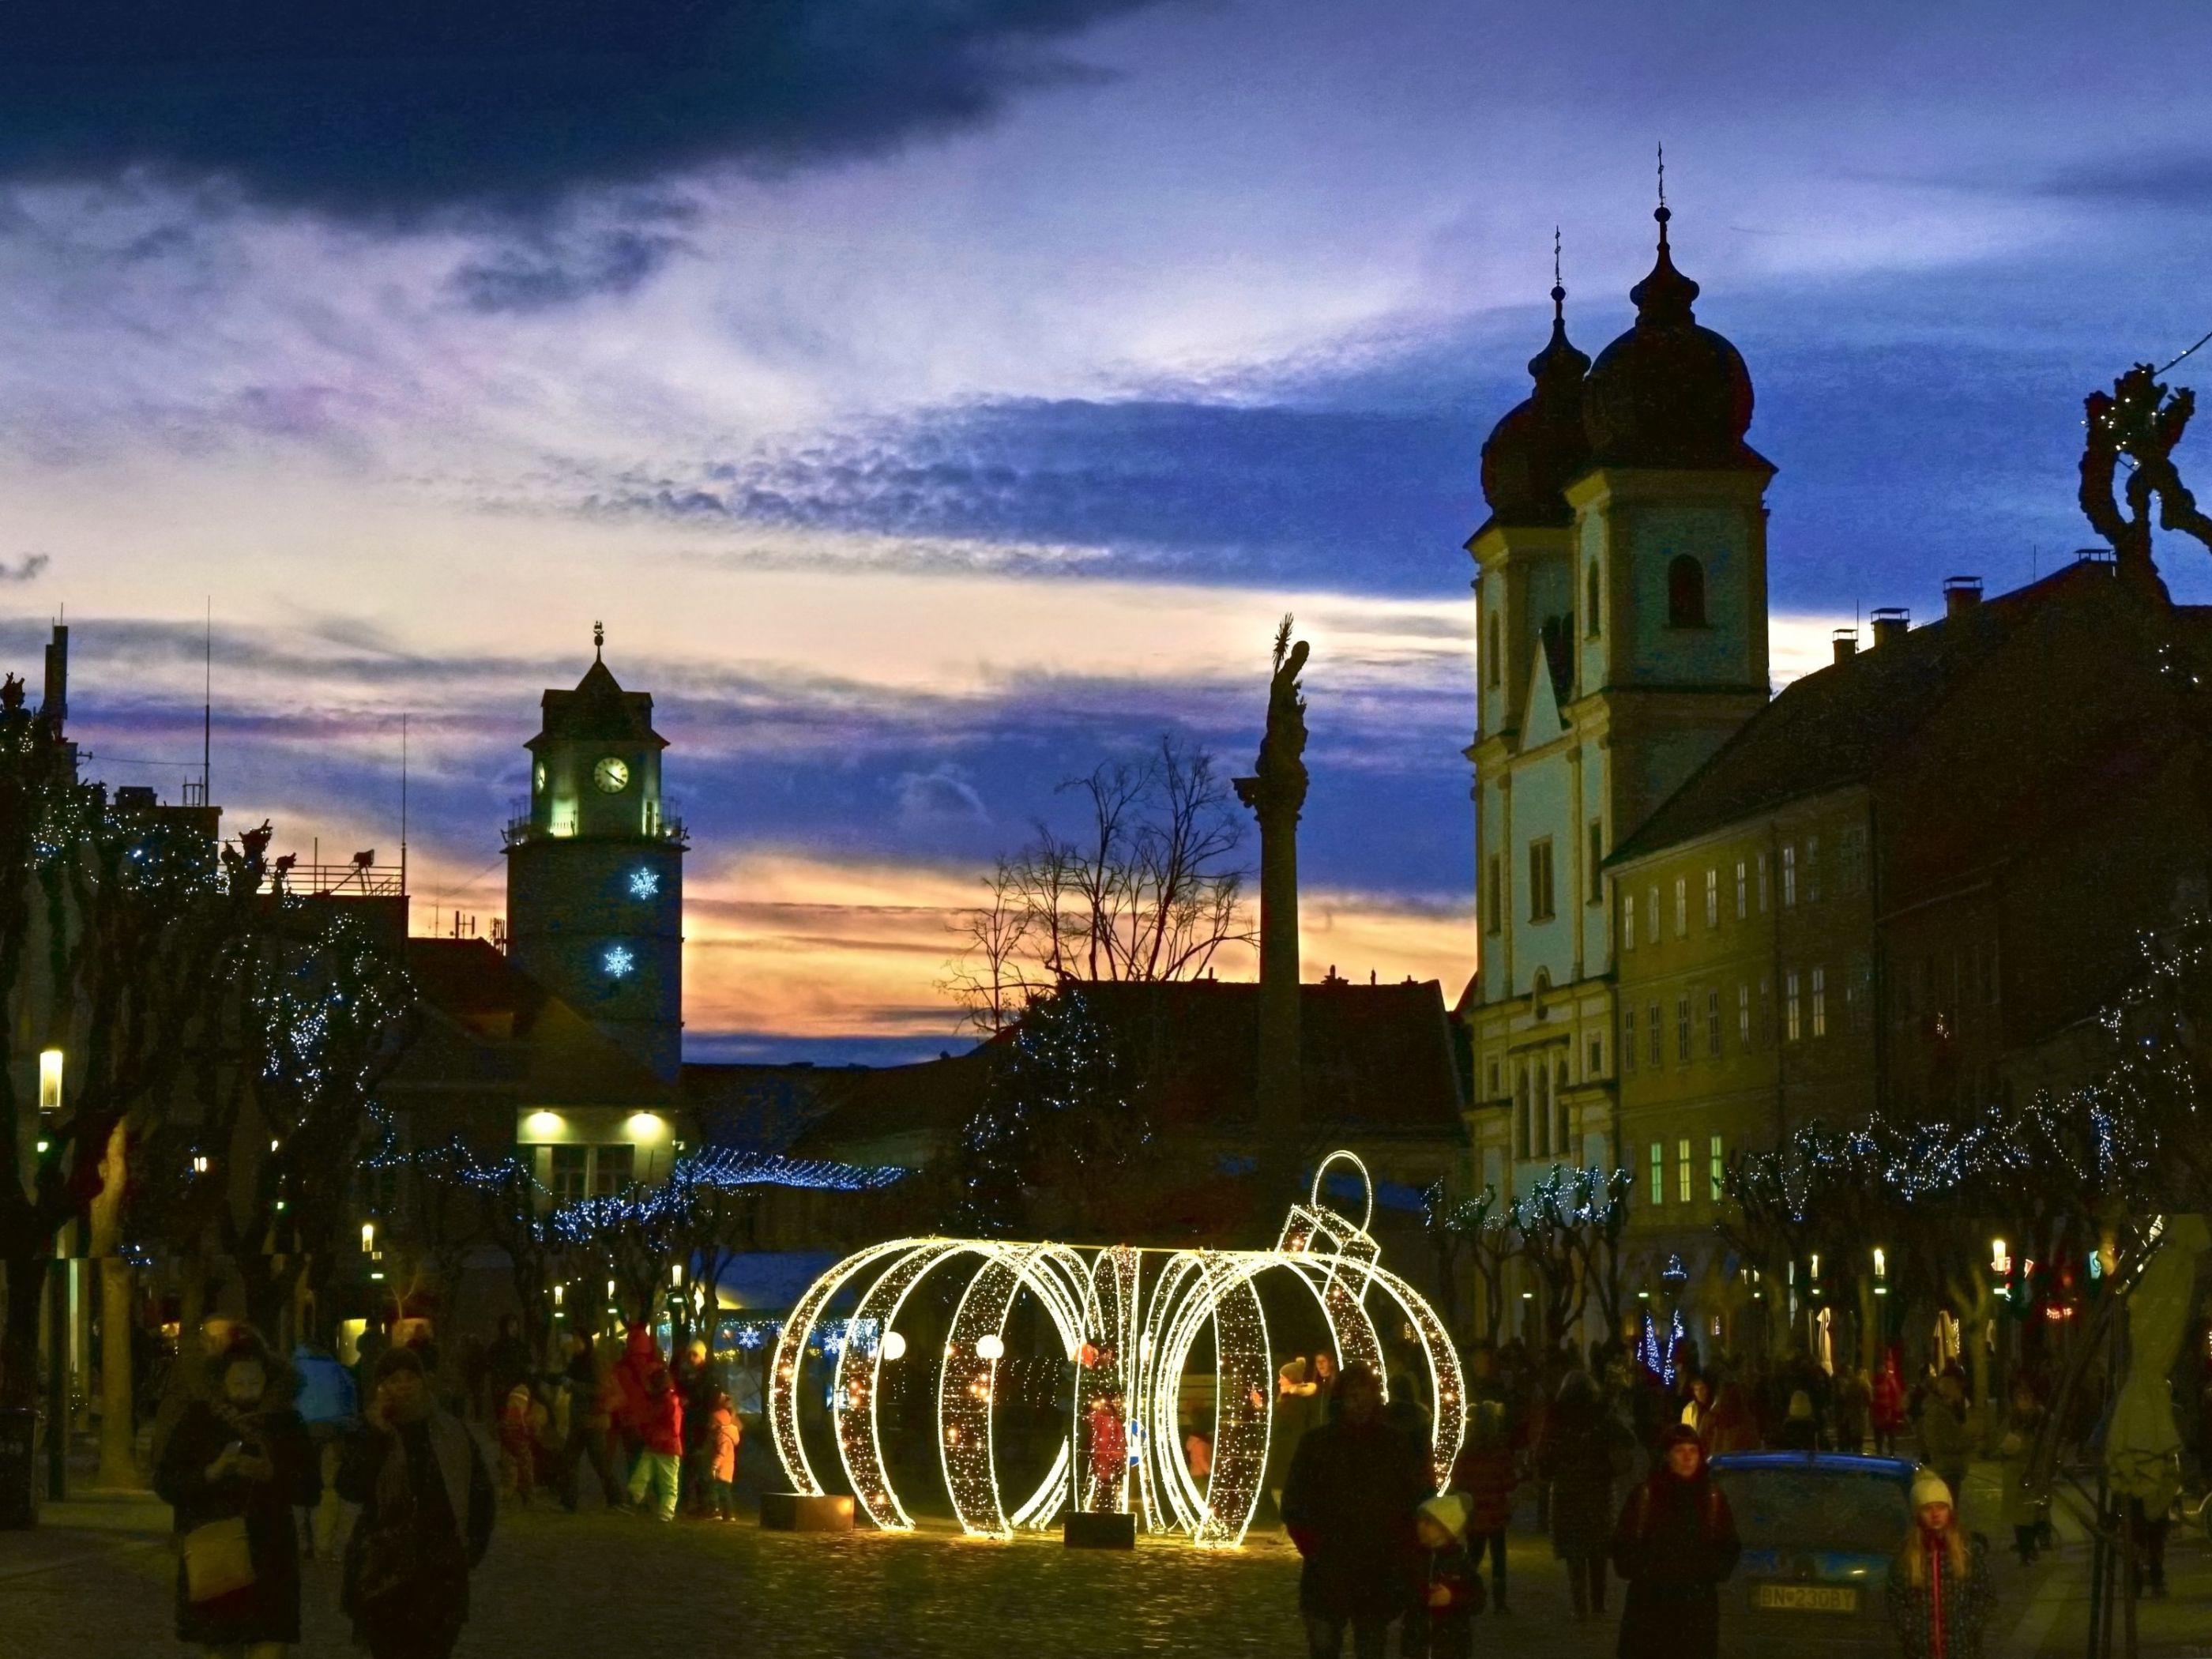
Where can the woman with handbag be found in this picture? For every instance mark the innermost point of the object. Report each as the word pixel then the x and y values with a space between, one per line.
pixel 426 1508
pixel 236 1465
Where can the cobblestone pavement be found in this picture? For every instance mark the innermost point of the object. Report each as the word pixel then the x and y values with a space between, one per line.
pixel 93 1583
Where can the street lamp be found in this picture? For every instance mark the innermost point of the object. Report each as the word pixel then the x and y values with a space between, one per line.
pixel 1881 1272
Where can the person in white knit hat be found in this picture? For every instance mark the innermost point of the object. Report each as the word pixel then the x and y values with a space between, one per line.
pixel 1939 1583
pixel 1447 1594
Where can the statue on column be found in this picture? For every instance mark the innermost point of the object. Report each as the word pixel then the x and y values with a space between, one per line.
pixel 1276 792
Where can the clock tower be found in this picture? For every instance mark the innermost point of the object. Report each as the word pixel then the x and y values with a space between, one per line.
pixel 595 871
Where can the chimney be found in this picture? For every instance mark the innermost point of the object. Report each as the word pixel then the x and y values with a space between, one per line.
pixel 1890 623
pixel 54 700
pixel 1847 643
pixel 1961 594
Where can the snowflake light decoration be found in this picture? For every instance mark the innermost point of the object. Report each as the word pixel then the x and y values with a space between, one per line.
pixel 618 961
pixel 644 883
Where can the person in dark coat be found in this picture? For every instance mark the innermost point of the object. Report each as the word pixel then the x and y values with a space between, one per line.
pixel 699 1380
pixel 1940 1594
pixel 1486 1473
pixel 1349 1503
pixel 1675 1543
pixel 1584 1451
pixel 240 1451
pixel 427 1510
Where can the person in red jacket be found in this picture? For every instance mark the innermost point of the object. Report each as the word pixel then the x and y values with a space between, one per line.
pixel 1487 1475
pixel 1887 1408
pixel 1447 1585
pixel 660 1458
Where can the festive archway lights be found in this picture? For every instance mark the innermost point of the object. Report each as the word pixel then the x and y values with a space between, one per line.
pixel 1128 1318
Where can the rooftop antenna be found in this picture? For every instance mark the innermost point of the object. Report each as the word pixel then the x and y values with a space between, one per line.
pixel 402 813
pixel 207 701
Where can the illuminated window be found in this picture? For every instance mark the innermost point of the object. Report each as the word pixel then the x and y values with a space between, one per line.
pixel 1820 1002
pixel 1682 1169
pixel 611 1168
pixel 1658 1172
pixel 569 1172
pixel 1790 1005
pixel 644 883
pixel 1628 921
pixel 1717 1170
pixel 1712 898
pixel 1741 889
pixel 50 1080
pixel 618 961
pixel 1789 877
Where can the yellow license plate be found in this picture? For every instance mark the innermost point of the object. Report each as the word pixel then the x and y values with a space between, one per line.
pixel 1806 1598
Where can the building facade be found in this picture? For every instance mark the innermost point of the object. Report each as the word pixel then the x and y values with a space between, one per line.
pixel 1622 582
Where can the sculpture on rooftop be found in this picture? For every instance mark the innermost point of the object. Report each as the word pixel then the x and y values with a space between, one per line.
pixel 2138 423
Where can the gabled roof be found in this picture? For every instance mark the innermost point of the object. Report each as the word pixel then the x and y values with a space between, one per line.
pixel 1834 727
pixel 597 711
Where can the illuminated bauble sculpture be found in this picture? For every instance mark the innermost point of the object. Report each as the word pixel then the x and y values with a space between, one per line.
pixel 1130 1317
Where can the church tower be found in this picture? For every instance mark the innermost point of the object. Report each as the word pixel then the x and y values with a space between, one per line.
pixel 1621 585
pixel 595 871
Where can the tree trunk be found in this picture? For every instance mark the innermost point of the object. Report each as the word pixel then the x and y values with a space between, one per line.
pixel 19 1344
pixel 118 1424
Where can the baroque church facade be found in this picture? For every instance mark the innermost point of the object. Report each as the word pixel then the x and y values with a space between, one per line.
pixel 1621 586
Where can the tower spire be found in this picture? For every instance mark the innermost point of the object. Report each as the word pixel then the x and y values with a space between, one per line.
pixel 598 642
pixel 1559 288
pixel 1661 214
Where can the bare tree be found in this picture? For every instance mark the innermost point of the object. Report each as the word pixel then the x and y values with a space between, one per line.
pixel 1148 889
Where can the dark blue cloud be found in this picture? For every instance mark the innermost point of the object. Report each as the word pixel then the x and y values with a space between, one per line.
pixel 395 107
pixel 542 272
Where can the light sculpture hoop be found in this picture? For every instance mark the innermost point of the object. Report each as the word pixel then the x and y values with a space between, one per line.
pixel 1129 1340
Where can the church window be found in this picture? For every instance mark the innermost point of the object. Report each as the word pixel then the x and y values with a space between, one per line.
pixel 1628 921
pixel 1789 877
pixel 1682 1029
pixel 1742 890
pixel 1596 858
pixel 1812 869
pixel 1658 1172
pixel 1712 896
pixel 1685 592
pixel 1681 906
pixel 1789 1027
pixel 1628 1039
pixel 1496 654
pixel 1820 1002
pixel 1682 1169
pixel 1851 857
pixel 1713 1023
pixel 1658 1038
pixel 1590 605
pixel 1540 880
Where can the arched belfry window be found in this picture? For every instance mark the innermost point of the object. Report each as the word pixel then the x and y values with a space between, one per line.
pixel 1685 592
pixel 1589 605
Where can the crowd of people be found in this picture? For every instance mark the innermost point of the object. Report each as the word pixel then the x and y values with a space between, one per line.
pixel 250 1445
pixel 1613 1456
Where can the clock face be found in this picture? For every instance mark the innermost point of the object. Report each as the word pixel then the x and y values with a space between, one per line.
pixel 611 775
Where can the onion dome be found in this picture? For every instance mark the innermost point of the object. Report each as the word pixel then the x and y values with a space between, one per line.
pixel 1668 393
pixel 1539 446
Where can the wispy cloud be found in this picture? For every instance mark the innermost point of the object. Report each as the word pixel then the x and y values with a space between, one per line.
pixel 28 568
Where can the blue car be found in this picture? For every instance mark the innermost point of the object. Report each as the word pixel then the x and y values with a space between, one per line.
pixel 1819 1529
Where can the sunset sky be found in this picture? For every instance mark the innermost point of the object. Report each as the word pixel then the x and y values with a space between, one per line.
pixel 934 398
